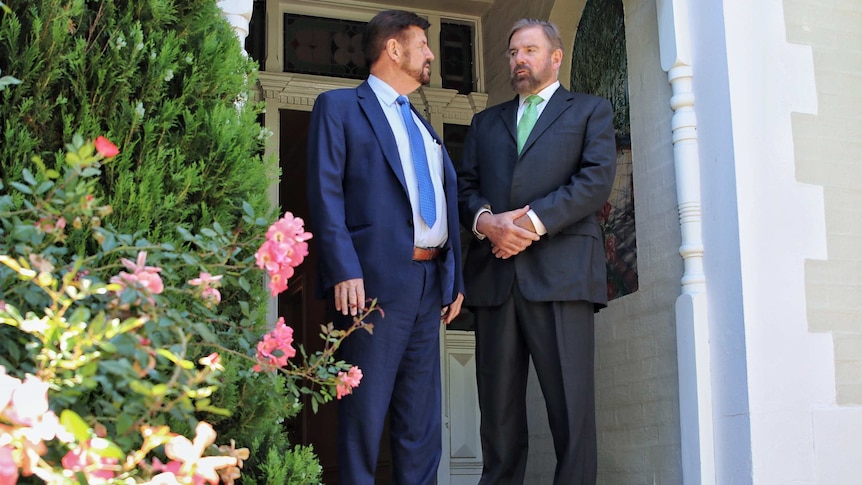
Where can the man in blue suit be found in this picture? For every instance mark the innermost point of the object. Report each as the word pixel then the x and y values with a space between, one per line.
pixel 535 171
pixel 383 199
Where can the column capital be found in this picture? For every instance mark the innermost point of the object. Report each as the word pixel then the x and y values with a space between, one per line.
pixel 238 14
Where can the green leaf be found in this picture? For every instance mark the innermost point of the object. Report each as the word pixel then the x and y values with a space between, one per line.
pixel 28 177
pixel 107 346
pixel 21 187
pixel 110 242
pixel 139 387
pixel 185 364
pixel 243 283
pixel 199 406
pixel 206 333
pixel 185 234
pixel 124 423
pixel 44 186
pixel 106 449
pixel 248 209
pixel 75 425
pixel 129 325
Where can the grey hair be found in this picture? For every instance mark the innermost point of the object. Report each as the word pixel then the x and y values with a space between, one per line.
pixel 550 30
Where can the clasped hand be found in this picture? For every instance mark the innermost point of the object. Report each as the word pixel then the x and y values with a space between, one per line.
pixel 510 232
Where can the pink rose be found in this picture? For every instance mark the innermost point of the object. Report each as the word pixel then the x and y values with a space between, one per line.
pixel 82 459
pixel 275 348
pixel 284 249
pixel 347 381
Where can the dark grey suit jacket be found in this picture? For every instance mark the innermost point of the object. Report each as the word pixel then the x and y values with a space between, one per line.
pixel 565 173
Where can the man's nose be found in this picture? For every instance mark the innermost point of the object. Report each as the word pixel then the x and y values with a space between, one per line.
pixel 518 59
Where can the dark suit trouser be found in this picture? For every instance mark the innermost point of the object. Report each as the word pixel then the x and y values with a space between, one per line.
pixel 559 336
pixel 400 366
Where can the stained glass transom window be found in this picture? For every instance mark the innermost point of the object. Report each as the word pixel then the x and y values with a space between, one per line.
pixel 323 46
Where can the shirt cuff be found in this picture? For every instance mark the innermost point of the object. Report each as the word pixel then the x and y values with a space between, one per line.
pixel 484 209
pixel 537 223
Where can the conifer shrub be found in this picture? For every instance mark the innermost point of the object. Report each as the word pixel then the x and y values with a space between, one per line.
pixel 166 81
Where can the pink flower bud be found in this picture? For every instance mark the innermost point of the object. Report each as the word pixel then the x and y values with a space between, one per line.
pixel 106 148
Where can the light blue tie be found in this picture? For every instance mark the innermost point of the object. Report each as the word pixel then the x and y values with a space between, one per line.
pixel 427 206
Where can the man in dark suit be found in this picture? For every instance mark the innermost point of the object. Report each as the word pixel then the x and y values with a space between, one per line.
pixel 535 272
pixel 383 198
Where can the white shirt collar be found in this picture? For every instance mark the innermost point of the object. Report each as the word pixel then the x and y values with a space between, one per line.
pixel 545 94
pixel 385 92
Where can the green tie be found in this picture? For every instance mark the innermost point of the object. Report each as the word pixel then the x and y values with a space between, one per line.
pixel 528 120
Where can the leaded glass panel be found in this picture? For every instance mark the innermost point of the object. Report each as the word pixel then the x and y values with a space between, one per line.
pixel 324 46
pixel 456 57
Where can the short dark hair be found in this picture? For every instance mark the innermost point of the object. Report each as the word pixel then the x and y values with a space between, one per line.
pixel 386 25
pixel 550 30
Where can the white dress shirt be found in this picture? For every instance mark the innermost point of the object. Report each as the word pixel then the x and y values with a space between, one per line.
pixel 423 236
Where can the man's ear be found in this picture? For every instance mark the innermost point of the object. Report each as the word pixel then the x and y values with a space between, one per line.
pixel 393 49
pixel 557 58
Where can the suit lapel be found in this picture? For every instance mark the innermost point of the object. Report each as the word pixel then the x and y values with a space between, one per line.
pixel 509 117
pixel 559 102
pixel 380 125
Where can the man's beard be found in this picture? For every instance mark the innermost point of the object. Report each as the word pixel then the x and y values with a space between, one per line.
pixel 523 83
pixel 421 76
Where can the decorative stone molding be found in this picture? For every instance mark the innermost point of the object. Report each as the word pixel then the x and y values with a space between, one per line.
pixel 437 99
pixel 298 91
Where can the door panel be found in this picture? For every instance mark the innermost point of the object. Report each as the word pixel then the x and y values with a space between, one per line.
pixel 302 310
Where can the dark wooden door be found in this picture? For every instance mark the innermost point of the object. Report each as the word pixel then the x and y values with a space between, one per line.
pixel 302 310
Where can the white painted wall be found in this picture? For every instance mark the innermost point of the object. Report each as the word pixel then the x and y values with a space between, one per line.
pixel 828 152
pixel 769 370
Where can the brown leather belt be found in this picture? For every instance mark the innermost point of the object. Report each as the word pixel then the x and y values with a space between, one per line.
pixel 426 254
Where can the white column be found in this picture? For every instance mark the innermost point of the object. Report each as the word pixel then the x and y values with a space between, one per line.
pixel 238 14
pixel 692 320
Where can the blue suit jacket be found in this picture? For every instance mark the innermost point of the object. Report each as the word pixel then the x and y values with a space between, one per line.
pixel 360 210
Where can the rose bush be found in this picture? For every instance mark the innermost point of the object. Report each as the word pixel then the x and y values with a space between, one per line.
pixel 103 352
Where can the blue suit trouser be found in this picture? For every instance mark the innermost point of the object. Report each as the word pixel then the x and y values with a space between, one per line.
pixel 400 365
